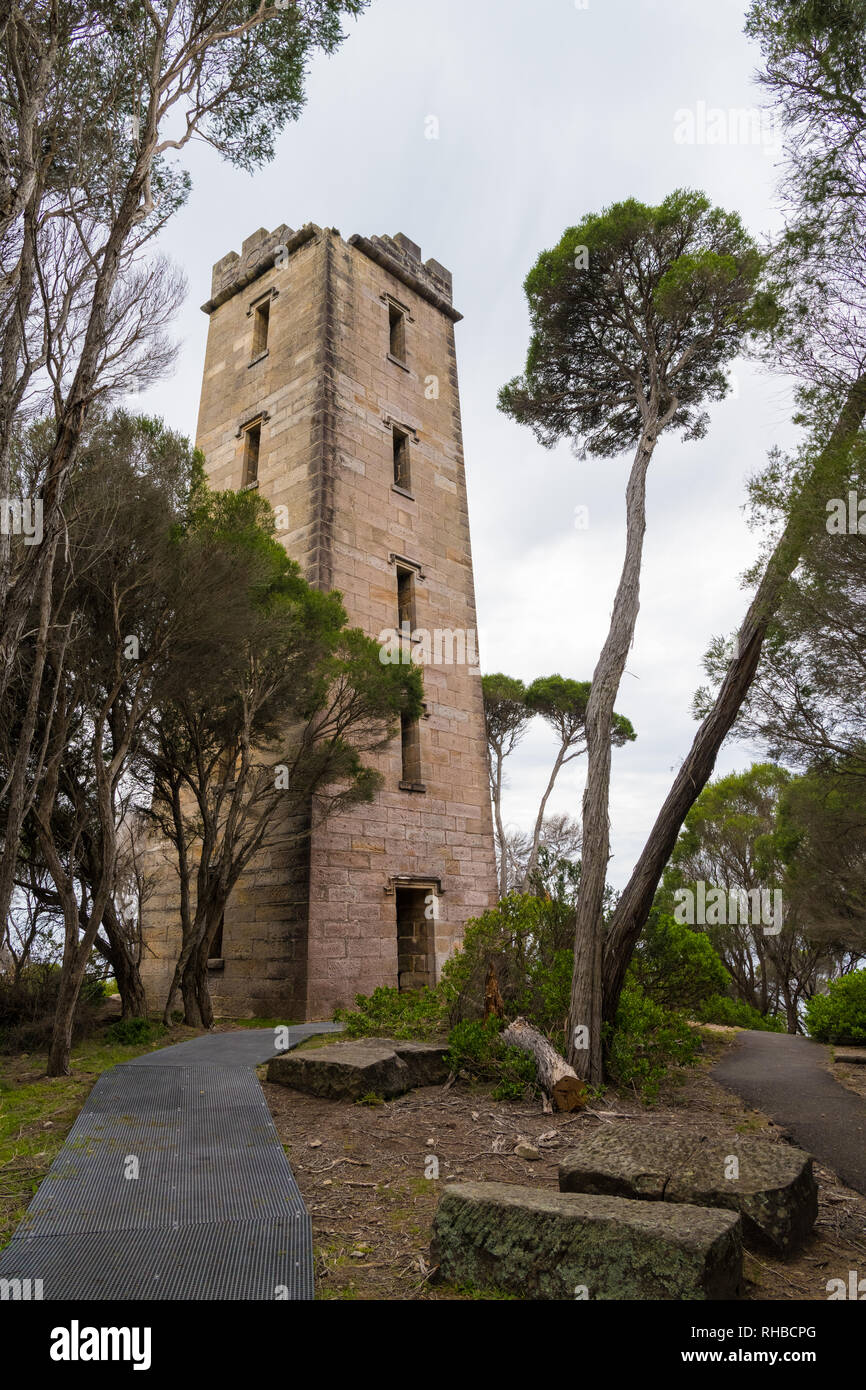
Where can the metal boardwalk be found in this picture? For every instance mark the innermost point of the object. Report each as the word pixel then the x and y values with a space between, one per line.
pixel 172 1184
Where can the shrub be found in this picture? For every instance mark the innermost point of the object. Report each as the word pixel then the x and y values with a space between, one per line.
pixel 134 1031
pixel 475 1047
pixel 528 941
pixel 392 1013
pixel 28 1005
pixel 646 1041
pixel 736 1013
pixel 677 967
pixel 839 1016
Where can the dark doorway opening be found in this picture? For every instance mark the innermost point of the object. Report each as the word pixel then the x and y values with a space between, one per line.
pixel 416 960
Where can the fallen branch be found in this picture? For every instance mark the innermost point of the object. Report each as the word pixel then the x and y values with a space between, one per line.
pixel 559 1082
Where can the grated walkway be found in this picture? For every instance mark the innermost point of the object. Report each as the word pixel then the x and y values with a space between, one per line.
pixel 172 1184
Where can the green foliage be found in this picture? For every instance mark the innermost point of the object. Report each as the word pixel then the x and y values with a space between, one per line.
pixel 736 1013
pixel 675 966
pixel 506 716
pixel 839 1016
pixel 616 302
pixel 475 1047
pixel 732 822
pixel 562 703
pixel 822 832
pixel 92 989
pixel 505 695
pixel 392 1013
pixel 132 1032
pixel 647 1041
pixel 528 941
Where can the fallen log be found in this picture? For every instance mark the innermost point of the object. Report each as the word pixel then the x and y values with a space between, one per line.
pixel 557 1079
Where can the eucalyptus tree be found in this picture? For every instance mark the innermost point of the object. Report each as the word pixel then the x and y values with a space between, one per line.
pixel 562 704
pixel 634 315
pixel 506 719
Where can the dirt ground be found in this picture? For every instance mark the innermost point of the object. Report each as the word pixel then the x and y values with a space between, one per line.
pixel 366 1174
pixel 853 1077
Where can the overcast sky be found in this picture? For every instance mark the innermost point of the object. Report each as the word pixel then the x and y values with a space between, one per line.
pixel 546 110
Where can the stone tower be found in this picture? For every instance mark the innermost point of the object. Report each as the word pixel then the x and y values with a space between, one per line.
pixel 330 384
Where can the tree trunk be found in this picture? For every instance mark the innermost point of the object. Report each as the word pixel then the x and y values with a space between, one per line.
pixel 197 970
pixel 532 861
pixel 636 900
pixel 492 998
pixel 585 1016
pixel 17 799
pixel 124 965
pixel 198 1007
pixel 71 978
pixel 556 1078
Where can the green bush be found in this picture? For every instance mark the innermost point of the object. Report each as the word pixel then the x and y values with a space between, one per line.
pixel 839 1016
pixel 646 1041
pixel 736 1013
pixel 134 1031
pixel 528 940
pixel 677 967
pixel 392 1013
pixel 476 1048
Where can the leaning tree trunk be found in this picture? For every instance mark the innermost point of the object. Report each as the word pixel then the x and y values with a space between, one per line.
pixel 557 1079
pixel 585 1016
pixel 636 899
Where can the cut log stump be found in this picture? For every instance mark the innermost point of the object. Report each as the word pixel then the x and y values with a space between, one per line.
pixel 559 1082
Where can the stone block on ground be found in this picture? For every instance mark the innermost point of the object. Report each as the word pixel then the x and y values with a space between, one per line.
pixel 386 1067
pixel 540 1244
pixel 770 1185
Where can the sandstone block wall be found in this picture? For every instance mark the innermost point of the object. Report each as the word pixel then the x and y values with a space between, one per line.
pixel 306 931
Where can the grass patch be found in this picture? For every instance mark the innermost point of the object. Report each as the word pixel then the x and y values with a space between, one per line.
pixel 470 1291
pixel 38 1111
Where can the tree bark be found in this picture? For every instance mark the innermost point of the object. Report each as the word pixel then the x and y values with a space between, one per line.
pixel 492 998
pixel 586 995
pixel 124 965
pixel 556 1078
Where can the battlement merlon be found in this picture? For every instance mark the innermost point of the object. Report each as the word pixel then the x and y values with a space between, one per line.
pixel 398 255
